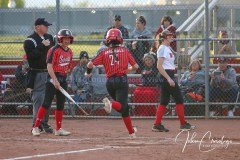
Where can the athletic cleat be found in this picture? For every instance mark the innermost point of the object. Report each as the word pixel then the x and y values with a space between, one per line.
pixel 133 135
pixel 107 105
pixel 62 132
pixel 159 128
pixel 187 127
pixel 47 128
pixel 35 131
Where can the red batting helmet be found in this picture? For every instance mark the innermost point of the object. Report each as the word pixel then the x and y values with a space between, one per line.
pixel 64 33
pixel 113 36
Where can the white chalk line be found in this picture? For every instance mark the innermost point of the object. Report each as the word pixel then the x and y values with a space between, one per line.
pixel 69 152
pixel 83 139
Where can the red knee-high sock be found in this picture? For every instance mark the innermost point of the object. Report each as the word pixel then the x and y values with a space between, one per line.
pixel 159 114
pixel 116 105
pixel 180 113
pixel 41 112
pixel 58 118
pixel 128 123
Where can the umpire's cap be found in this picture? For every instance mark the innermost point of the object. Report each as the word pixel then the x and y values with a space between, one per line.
pixel 42 21
pixel 83 54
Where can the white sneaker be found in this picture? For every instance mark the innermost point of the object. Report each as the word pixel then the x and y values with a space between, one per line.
pixel 35 131
pixel 108 105
pixel 133 135
pixel 62 132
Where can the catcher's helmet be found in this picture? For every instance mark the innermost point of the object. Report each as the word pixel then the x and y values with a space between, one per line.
pixel 64 33
pixel 114 36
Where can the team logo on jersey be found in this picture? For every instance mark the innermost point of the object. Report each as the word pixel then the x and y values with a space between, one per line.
pixel 63 61
pixel 171 55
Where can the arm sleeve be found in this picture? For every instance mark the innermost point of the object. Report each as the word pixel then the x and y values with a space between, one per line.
pixel 98 60
pixel 161 52
pixel 31 51
pixel 131 59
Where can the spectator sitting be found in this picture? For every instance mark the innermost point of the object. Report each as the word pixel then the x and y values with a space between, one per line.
pixel 194 80
pixel 139 48
pixel 21 72
pixel 166 24
pixel 149 72
pixel 17 91
pixel 223 85
pixel 118 24
pixel 225 46
pixel 78 80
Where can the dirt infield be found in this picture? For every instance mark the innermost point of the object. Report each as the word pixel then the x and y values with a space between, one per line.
pixel 107 139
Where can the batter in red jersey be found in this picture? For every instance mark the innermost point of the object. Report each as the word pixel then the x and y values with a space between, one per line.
pixel 115 60
pixel 59 61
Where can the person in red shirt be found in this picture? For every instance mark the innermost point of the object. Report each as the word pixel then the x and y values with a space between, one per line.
pixel 115 60
pixel 1 77
pixel 59 59
pixel 166 24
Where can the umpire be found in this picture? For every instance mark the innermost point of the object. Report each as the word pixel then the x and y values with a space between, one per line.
pixel 118 24
pixel 36 47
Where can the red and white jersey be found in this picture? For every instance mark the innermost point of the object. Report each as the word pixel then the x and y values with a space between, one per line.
pixel 167 53
pixel 60 59
pixel 114 64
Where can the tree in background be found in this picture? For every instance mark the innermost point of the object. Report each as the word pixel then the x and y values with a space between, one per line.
pixel 18 3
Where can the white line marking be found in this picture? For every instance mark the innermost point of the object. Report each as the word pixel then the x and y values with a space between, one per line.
pixel 83 139
pixel 69 152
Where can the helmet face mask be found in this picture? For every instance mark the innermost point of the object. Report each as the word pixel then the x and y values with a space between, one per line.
pixel 64 33
pixel 114 36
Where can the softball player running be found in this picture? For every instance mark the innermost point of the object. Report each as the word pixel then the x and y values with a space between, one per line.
pixel 169 86
pixel 115 60
pixel 59 60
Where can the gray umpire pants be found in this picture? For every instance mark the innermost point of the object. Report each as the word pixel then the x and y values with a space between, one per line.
pixel 38 94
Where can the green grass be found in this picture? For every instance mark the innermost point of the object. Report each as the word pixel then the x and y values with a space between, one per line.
pixel 16 50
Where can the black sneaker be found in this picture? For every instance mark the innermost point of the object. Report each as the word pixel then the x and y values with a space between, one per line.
pixel 41 128
pixel 159 128
pixel 187 127
pixel 47 128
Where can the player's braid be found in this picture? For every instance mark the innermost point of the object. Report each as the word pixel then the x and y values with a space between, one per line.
pixel 113 52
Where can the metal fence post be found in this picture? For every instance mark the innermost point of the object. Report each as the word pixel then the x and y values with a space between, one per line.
pixel 57 15
pixel 206 59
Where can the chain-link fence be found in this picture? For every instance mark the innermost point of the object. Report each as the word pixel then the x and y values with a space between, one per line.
pixel 207 47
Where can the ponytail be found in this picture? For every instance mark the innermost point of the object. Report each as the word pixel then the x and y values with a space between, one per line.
pixel 113 53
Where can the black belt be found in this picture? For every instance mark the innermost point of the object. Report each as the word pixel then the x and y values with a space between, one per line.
pixel 38 70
